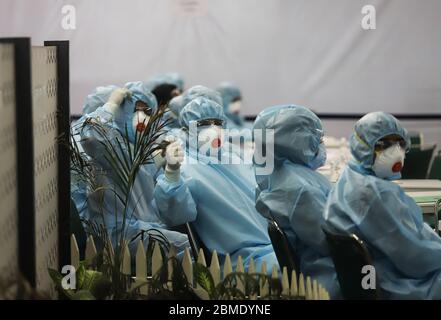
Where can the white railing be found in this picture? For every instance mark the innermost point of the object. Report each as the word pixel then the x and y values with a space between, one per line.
pixel 299 286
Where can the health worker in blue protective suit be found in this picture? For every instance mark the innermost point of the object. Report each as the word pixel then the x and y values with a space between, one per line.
pixel 239 133
pixel 294 194
pixel 218 198
pixel 178 103
pixel 232 103
pixel 406 252
pixel 127 108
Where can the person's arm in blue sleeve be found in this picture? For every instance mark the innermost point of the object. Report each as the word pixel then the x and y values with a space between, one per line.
pixel 404 238
pixel 174 200
pixel 173 197
pixel 306 218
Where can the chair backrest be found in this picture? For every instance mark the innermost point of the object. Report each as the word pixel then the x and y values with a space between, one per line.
pixel 350 255
pixel 285 253
pixel 416 165
pixel 435 170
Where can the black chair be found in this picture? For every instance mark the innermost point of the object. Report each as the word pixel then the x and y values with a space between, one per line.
pixel 285 254
pixel 435 170
pixel 195 241
pixel 350 255
pixel 416 165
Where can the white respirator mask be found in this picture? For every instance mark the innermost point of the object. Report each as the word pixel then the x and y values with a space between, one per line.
pixel 140 121
pixel 389 163
pixel 210 138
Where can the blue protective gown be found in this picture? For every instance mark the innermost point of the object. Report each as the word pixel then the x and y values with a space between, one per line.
pixel 294 194
pixel 217 198
pixel 406 252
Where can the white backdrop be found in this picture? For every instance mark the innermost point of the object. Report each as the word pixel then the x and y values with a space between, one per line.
pixel 310 52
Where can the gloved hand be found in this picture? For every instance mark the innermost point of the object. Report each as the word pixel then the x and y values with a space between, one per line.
pixel 159 155
pixel 116 98
pixel 174 156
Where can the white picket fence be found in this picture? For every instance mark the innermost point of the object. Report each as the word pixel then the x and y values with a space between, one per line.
pixel 303 287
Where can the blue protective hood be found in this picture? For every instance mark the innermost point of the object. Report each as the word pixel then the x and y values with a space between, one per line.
pixel 297 133
pixel 173 78
pixel 371 128
pixel 203 92
pixel 139 92
pixel 229 92
pixel 200 109
pixel 176 104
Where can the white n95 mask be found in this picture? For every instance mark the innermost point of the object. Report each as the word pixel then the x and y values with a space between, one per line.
pixel 389 163
pixel 210 138
pixel 140 121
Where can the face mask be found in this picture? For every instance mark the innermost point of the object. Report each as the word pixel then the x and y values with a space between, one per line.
pixel 320 158
pixel 139 121
pixel 210 138
pixel 235 107
pixel 389 163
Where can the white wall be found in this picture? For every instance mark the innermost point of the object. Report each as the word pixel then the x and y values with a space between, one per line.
pixel 310 52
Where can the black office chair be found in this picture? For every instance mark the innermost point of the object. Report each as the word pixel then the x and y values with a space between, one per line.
pixel 416 165
pixel 350 255
pixel 285 254
pixel 435 170
pixel 195 241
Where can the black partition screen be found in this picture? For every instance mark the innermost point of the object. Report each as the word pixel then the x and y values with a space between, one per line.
pixel 63 129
